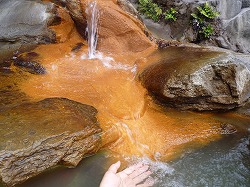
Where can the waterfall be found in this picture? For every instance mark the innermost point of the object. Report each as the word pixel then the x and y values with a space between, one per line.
pixel 92 28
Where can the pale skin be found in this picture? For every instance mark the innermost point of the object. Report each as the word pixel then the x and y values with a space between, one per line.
pixel 134 176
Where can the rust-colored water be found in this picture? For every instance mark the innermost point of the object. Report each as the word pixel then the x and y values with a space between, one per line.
pixel 132 124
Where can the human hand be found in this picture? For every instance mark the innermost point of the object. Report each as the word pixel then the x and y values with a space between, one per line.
pixel 130 177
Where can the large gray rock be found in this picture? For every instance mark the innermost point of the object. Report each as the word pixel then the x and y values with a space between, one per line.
pixel 229 8
pixel 26 21
pixel 38 136
pixel 237 36
pixel 188 78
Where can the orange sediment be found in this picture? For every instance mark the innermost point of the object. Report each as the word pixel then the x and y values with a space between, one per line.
pixel 132 124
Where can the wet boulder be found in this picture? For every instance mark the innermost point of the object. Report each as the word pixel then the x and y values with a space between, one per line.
pixel 26 21
pixel 198 79
pixel 24 24
pixel 37 136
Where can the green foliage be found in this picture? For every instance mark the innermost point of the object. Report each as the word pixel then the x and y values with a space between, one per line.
pixel 154 11
pixel 202 19
pixel 207 31
pixel 170 14
pixel 195 16
pixel 150 9
pixel 208 11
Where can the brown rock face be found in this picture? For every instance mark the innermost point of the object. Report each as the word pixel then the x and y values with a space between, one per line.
pixel 37 136
pixel 76 12
pixel 119 31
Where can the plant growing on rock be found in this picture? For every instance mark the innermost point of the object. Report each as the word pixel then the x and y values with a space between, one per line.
pixel 207 31
pixel 150 9
pixel 202 19
pixel 155 12
pixel 207 11
pixel 170 14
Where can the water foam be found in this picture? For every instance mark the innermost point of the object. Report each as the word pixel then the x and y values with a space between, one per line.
pixel 92 28
pixel 110 63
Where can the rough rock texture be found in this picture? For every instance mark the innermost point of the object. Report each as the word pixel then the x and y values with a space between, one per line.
pixel 10 94
pixel 199 80
pixel 24 24
pixel 119 31
pixel 26 21
pixel 237 35
pixel 37 136
pixel 129 8
pixel 76 12
pixel 232 29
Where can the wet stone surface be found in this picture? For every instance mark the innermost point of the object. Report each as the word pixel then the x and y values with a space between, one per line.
pixel 198 79
pixel 40 135
pixel 28 62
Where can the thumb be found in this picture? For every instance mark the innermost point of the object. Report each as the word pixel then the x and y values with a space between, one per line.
pixel 114 167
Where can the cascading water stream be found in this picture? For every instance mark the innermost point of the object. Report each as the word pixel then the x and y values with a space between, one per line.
pixel 92 28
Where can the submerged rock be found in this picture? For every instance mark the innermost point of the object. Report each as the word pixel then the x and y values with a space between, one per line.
pixel 199 79
pixel 38 136
pixel 27 61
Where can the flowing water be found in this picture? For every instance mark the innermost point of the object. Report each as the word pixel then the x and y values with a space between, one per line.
pixel 92 27
pixel 183 148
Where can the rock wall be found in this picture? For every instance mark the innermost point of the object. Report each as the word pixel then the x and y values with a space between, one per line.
pixel 231 29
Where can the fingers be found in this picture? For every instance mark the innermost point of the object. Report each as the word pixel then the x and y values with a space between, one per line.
pixel 141 177
pixel 131 169
pixel 114 167
pixel 139 171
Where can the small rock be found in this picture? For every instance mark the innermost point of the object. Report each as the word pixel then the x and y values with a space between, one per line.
pixel 27 61
pixel 77 47
pixel 228 129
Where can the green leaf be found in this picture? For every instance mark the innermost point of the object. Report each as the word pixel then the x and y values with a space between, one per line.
pixel 207 31
pixel 170 14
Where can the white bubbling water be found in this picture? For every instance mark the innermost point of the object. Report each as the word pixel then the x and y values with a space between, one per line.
pixel 110 63
pixel 92 28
